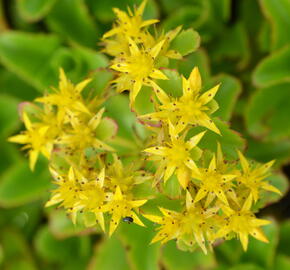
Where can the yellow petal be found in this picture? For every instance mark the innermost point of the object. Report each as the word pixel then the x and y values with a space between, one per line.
pixel 221 195
pixel 33 155
pixel 101 178
pixel 208 95
pixel 156 49
pixel 189 200
pixel 135 91
pixel 161 95
pixel 137 203
pixel 148 22
pixel 195 140
pixel 113 224
pixel 101 145
pixel 157 74
pixel 244 162
pixel 95 121
pixel 153 218
pixel 200 194
pixel 157 150
pixel 169 171
pixel 137 220
pixel 21 138
pixel 183 176
pixel 100 219
pixel 195 80
pixel 80 86
pixel 212 165
pixel 118 194
pixel 26 121
pixel 258 234
pixel 269 187
pixel 244 240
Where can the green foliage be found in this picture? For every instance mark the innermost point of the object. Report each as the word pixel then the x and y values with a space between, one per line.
pixel 244 45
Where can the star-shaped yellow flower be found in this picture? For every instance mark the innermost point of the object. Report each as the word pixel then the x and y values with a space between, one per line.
pixel 67 98
pixel 243 223
pixel 35 138
pixel 170 225
pixel 78 194
pixel 126 177
pixel 254 178
pixel 119 207
pixel 192 108
pixel 83 134
pixel 177 155
pixel 212 183
pixel 129 24
pixel 137 68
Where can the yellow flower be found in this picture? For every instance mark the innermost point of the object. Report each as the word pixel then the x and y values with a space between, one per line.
pixel 137 68
pixel 212 183
pixel 36 139
pixel 78 194
pixel 170 225
pixel 191 108
pixel 253 178
pixel 67 191
pixel 178 155
pixel 67 98
pixel 83 134
pixel 124 177
pixel 197 223
pixel 243 222
pixel 129 24
pixel 119 207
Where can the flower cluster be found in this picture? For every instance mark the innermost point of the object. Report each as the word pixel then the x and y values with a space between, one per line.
pixel 96 184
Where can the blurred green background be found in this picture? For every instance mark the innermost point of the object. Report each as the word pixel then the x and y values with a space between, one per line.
pixel 245 44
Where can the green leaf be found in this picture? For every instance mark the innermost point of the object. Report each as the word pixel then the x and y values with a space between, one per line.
pixel 265 151
pixel 224 252
pixel 192 14
pixel 9 121
pixel 117 107
pixel 16 250
pixel 28 55
pixel 282 262
pixel 143 102
pixel 273 69
pixel 19 185
pixel 172 86
pixel 283 246
pixel 278 180
pixel 175 259
pixel 227 95
pixel 186 42
pixel 51 249
pixel 230 140
pixel 136 239
pixel 107 129
pixel 233 44
pixel 71 19
pixel 248 266
pixel 172 188
pixel 260 253
pixel 12 85
pixel 267 114
pixel 109 255
pixel 198 59
pixel 277 13
pixel 61 225
pixel 34 10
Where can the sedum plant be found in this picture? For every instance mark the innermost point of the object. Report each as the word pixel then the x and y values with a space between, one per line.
pixel 181 168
